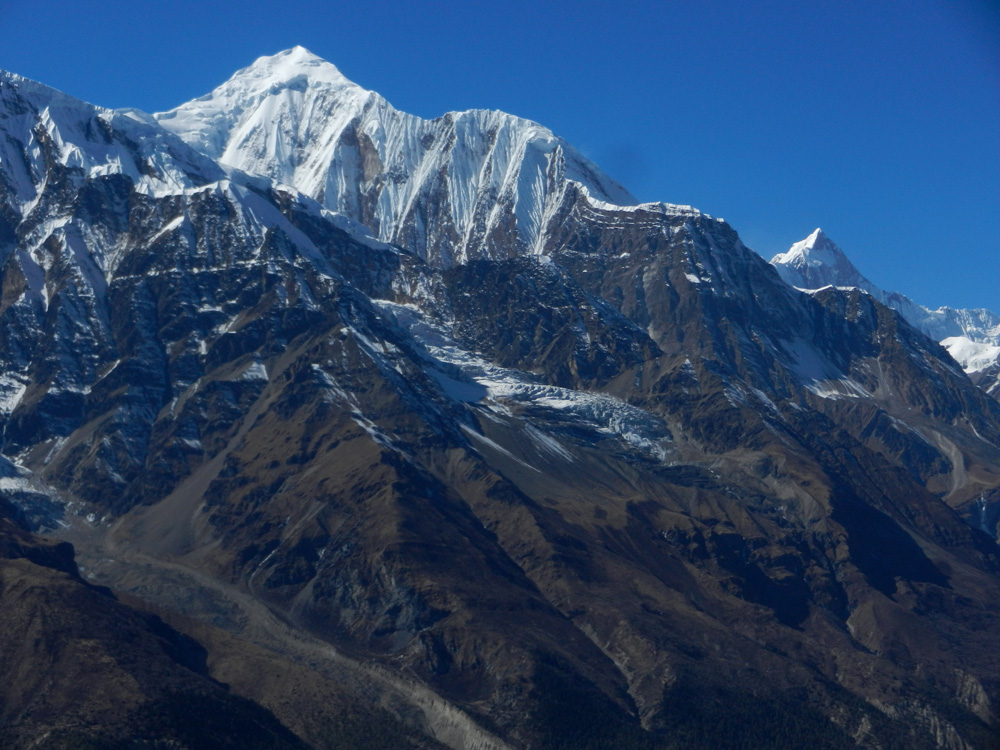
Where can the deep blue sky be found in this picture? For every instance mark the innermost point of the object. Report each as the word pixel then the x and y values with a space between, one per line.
pixel 877 120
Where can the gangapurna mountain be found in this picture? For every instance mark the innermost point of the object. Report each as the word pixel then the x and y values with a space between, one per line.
pixel 374 431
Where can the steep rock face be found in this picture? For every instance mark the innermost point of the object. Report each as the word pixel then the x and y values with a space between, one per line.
pixel 971 337
pixel 466 185
pixel 558 487
pixel 213 318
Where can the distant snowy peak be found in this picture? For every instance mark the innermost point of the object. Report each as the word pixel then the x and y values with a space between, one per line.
pixel 974 356
pixel 972 337
pixel 451 188
pixel 816 262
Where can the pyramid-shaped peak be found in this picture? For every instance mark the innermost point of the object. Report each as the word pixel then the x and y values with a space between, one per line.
pixel 816 237
pixel 253 97
pixel 816 262
pixel 291 66
pixel 816 249
pixel 818 241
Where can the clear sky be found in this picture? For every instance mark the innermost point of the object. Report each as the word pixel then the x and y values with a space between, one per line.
pixel 877 120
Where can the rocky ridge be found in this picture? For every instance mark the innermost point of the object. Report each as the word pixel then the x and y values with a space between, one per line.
pixel 462 186
pixel 972 337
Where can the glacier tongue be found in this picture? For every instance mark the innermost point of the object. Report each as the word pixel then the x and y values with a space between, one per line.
pixel 499 388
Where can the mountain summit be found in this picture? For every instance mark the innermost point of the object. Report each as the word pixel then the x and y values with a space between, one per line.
pixel 269 96
pixel 816 262
pixel 465 185
pixel 972 337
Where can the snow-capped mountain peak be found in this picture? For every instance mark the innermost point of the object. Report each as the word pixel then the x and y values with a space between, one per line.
pixel 816 262
pixel 290 68
pixel 260 109
pixel 972 337
pixel 455 187
pixel 292 63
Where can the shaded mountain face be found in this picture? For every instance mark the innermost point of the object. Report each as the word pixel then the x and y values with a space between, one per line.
pixel 545 471
pixel 88 668
pixel 84 670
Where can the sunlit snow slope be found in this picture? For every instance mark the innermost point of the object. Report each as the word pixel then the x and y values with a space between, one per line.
pixel 44 127
pixel 464 185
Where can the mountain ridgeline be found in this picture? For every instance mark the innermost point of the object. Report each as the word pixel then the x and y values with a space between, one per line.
pixel 374 431
pixel 972 337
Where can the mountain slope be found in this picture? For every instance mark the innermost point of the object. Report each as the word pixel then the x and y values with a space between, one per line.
pixel 970 336
pixel 85 670
pixel 532 495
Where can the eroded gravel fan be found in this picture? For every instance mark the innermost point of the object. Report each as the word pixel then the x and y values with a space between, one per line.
pixel 550 470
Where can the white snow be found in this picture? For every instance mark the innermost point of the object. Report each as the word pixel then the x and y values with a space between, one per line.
pixel 167 228
pixel 334 391
pixel 373 430
pixel 95 140
pixel 11 393
pixel 459 390
pixel 480 438
pixel 548 443
pixel 809 363
pixel 973 356
pixel 659 208
pixel 295 118
pixel 838 388
pixel 816 251
pixel 16 484
pixel 501 388
pixel 818 374
pixel 256 371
